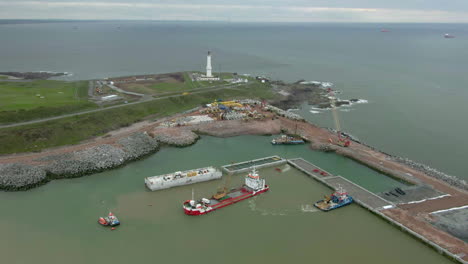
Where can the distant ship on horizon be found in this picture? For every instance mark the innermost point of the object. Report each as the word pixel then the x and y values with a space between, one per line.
pixel 447 35
pixel 384 30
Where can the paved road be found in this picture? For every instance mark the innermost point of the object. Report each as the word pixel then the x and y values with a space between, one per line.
pixel 123 91
pixel 209 89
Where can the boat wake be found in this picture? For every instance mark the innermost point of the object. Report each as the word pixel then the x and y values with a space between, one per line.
pixel 286 168
pixel 307 208
pixel 265 212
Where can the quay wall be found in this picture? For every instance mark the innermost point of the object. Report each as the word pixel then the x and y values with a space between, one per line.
pixel 278 162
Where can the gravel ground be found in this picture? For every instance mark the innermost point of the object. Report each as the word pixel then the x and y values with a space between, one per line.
pixel 454 222
pixel 20 176
pixel 412 193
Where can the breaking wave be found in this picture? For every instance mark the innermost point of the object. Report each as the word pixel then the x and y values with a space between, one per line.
pixel 361 101
pixel 322 84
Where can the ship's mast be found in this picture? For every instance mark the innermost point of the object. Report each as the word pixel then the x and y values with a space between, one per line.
pixel 192 195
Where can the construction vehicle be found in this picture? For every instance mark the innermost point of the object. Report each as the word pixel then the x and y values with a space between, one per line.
pixel 227 103
pixel 341 141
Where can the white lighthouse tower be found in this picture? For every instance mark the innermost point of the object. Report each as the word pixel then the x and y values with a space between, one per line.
pixel 209 75
pixel 208 65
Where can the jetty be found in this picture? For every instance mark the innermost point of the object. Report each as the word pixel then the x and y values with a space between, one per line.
pixel 257 163
pixel 360 195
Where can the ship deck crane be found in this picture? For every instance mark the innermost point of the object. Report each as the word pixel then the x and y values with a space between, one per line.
pixel 222 192
pixel 341 141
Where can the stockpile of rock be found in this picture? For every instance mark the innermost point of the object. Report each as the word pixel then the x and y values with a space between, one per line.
pixel 178 138
pixel 283 113
pixel 17 176
pixel 452 180
pixel 138 145
pixel 250 102
pixel 103 157
pixel 87 161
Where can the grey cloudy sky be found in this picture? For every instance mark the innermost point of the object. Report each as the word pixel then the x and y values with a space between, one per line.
pixel 446 11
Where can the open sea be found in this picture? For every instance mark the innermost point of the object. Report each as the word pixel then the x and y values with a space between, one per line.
pixel 415 84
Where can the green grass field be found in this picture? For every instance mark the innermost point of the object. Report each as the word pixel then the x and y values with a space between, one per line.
pixel 166 87
pixel 75 129
pixel 21 101
pixel 29 95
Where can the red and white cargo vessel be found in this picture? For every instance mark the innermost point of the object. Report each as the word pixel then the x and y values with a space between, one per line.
pixel 254 185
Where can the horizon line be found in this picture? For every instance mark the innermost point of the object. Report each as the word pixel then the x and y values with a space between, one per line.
pixel 208 21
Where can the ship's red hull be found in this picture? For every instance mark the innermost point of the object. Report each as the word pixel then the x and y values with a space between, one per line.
pixel 226 202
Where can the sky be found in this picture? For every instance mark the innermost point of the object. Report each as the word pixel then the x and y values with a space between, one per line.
pixel 362 11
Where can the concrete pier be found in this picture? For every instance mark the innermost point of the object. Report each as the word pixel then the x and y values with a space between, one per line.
pixel 360 195
pixel 257 163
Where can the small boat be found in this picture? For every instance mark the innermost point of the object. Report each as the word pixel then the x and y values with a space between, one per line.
pixel 384 30
pixel 336 200
pixel 110 220
pixel 449 36
pixel 278 169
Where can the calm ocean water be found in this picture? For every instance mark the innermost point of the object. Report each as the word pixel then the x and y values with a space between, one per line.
pixel 414 79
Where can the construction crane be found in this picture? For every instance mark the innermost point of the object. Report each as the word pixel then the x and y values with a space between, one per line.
pixel 342 141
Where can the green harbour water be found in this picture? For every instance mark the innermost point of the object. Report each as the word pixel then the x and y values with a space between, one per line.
pixel 57 223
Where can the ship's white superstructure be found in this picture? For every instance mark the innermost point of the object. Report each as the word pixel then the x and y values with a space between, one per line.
pixel 182 178
pixel 254 182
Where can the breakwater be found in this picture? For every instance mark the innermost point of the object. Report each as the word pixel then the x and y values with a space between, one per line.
pixel 18 176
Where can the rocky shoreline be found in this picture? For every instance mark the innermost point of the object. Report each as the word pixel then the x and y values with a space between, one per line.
pixel 314 93
pixel 40 75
